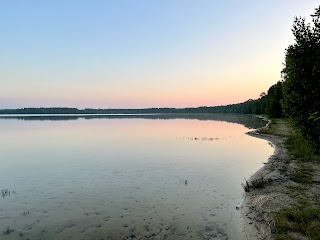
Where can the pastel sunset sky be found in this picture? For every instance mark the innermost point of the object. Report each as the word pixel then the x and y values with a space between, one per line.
pixel 142 53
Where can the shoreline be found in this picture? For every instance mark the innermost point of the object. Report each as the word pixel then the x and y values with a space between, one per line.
pixel 258 205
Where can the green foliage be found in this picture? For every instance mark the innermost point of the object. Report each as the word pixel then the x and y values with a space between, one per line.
pixel 299 219
pixel 303 174
pixel 301 75
pixel 273 106
pixel 299 147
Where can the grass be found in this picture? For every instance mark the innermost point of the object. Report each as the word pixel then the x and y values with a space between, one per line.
pixel 271 129
pixel 303 174
pixel 300 148
pixel 303 218
pixel 300 219
pixel 296 188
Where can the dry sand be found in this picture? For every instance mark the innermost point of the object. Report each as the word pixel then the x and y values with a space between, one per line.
pixel 259 204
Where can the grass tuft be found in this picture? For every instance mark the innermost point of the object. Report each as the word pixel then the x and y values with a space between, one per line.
pixel 299 147
pixel 255 184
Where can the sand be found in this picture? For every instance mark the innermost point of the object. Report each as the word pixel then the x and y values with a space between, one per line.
pixel 259 204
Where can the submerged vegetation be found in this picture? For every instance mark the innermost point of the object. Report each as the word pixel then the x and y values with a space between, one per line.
pixel 8 231
pixel 6 192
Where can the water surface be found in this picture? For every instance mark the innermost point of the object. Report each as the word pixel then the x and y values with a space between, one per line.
pixel 126 177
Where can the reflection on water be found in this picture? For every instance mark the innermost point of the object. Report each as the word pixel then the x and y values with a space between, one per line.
pixel 120 177
pixel 248 121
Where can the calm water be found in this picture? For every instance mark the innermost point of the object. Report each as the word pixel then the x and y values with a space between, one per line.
pixel 126 177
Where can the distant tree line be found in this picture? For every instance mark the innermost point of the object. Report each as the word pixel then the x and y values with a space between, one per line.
pixel 267 104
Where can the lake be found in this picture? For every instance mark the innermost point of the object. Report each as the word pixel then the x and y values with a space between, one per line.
pixel 126 176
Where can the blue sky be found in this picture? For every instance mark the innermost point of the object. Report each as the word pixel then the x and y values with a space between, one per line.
pixel 130 54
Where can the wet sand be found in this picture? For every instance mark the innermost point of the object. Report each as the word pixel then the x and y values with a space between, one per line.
pixel 259 204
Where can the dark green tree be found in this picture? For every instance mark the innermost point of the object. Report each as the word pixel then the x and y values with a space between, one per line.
pixel 301 77
pixel 273 106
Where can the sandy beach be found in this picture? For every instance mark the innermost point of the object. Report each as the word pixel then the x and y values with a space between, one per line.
pixel 260 204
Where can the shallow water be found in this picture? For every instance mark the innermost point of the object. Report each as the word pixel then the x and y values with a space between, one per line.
pixel 126 177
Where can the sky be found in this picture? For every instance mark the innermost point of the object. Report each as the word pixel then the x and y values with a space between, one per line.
pixel 142 53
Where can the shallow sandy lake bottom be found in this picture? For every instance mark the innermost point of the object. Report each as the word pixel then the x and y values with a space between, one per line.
pixel 125 178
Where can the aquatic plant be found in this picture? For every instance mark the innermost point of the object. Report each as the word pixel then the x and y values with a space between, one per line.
pixel 5 192
pixel 8 230
pixel 25 213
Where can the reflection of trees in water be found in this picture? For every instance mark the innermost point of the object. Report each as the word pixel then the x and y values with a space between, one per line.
pixel 248 121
